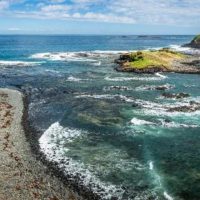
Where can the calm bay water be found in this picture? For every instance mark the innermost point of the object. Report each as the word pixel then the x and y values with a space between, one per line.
pixel 111 129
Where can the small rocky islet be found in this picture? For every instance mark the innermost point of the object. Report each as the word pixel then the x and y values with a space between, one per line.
pixel 163 60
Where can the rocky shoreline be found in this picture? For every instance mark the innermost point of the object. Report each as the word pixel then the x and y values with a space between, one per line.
pixel 80 192
pixel 23 175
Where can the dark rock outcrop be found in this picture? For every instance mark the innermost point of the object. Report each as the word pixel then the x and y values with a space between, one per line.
pixel 175 96
pixel 150 70
pixel 192 107
pixel 195 43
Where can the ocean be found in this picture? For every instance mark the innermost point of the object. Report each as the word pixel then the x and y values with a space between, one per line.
pixel 110 131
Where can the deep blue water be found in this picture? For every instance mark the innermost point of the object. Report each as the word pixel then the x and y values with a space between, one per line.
pixel 113 130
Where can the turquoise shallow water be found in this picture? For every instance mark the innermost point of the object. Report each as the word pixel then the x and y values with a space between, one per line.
pixel 113 130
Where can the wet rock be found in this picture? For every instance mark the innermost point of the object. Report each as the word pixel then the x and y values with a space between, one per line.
pixel 149 70
pixel 134 105
pixel 188 108
pixel 175 96
pixel 162 87
pixel 123 58
pixel 119 88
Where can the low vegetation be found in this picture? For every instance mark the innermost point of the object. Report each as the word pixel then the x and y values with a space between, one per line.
pixel 147 59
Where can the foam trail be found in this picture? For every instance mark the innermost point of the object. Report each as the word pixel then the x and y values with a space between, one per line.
pixel 117 79
pixel 73 79
pixel 86 56
pixel 18 63
pixel 106 96
pixel 158 181
pixel 65 56
pixel 167 196
pixel 160 75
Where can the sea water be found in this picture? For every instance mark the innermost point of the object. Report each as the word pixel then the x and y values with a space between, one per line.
pixel 113 130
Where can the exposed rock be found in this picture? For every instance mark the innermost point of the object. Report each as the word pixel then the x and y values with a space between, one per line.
pixel 162 87
pixel 150 70
pixel 124 88
pixel 194 106
pixel 175 96
pixel 195 43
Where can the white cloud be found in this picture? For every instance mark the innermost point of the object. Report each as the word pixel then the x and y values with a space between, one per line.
pixel 55 8
pixel 171 12
pixel 4 5
pixel 14 29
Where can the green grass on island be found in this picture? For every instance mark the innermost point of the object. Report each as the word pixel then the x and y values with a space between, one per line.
pixel 196 38
pixel 148 59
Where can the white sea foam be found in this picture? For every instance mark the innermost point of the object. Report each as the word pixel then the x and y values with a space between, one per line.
pixel 5 63
pixel 159 109
pixel 82 56
pixel 97 63
pixel 106 96
pixel 73 79
pixel 157 77
pixel 158 181
pixel 177 125
pixel 51 70
pixel 139 122
pixel 153 87
pixel 65 56
pixel 167 196
pixel 151 167
pixel 161 75
pixel 187 50
pixel 53 145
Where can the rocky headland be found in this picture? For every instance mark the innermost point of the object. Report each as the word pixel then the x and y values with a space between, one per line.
pixel 195 43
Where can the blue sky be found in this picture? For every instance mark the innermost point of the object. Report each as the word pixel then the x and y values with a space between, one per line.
pixel 99 16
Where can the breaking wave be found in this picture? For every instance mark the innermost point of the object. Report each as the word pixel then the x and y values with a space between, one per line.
pixel 5 63
pixel 74 79
pixel 53 145
pixel 106 96
pixel 84 56
pixel 157 77
pixel 186 50
pixel 139 122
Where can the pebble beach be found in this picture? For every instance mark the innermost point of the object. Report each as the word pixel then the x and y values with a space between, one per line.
pixel 22 177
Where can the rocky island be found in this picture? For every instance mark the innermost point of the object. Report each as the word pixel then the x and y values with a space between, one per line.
pixel 163 60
